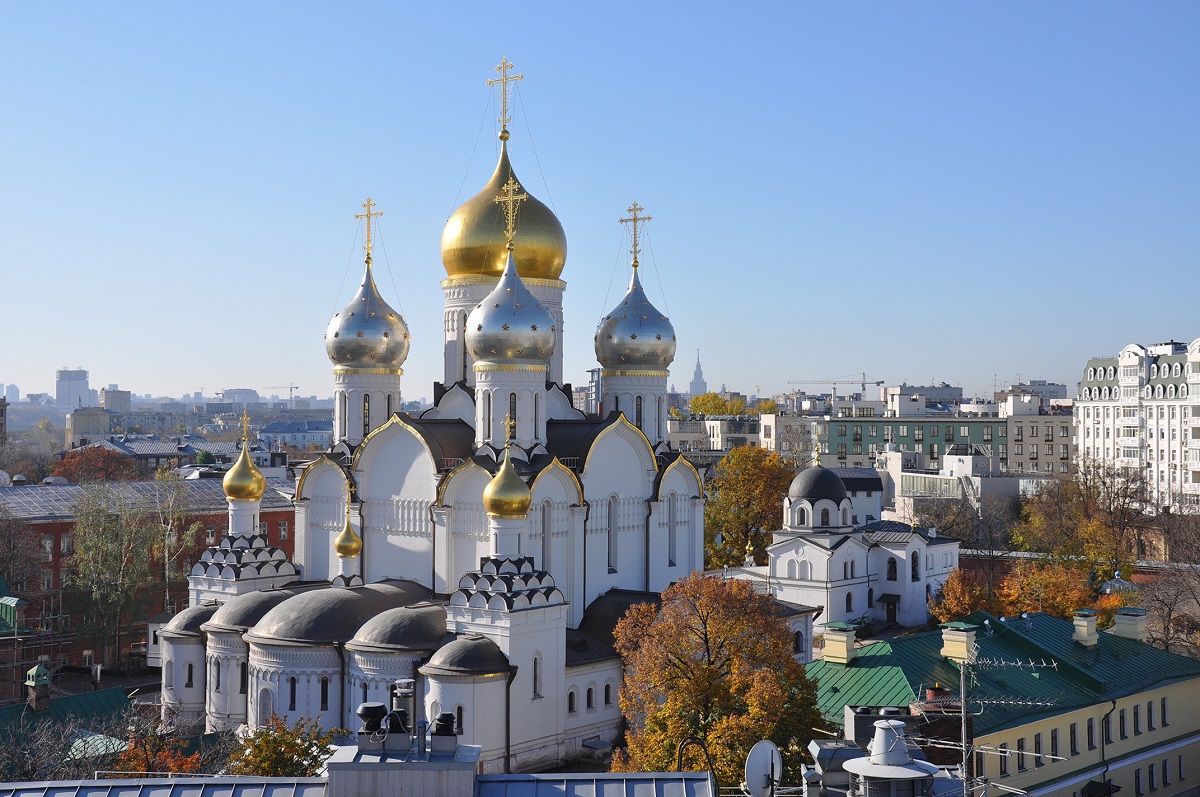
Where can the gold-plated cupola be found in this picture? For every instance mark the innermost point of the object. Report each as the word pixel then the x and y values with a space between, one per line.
pixel 244 481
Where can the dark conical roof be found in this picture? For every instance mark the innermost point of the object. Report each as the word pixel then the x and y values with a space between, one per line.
pixel 816 483
pixel 468 655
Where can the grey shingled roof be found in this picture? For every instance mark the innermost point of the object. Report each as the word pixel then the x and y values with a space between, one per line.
pixel 57 502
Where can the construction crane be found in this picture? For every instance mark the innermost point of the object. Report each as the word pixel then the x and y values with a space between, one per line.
pixel 862 382
pixel 291 389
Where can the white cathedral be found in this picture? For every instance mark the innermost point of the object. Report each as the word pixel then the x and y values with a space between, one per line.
pixel 484 548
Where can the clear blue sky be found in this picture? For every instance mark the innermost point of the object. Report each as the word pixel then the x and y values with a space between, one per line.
pixel 949 191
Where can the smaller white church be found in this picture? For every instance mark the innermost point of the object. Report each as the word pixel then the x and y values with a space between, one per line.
pixel 882 572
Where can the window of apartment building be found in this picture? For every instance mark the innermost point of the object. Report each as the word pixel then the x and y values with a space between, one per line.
pixel 987 434
pixel 933 450
pixel 1019 433
pixel 1073 733
pixel 210 534
pixel 964 431
pixel 1137 782
pixel 1063 451
pixel 1162 712
pixel 1018 449
pixel 1054 741
pixel 1122 724
pixel 904 430
pixel 1003 451
pixel 1064 431
pixel 1004 759
pixel 919 433
pixel 873 431
pixel 1038 758
pixel 1021 754
pixel 841 430
pixel 1033 450
pixel 1150 779
pixel 283 529
pixel 1137 720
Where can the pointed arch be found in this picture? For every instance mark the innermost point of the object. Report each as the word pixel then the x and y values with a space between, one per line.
pixel 623 428
pixel 387 429
pixel 453 476
pixel 678 462
pixel 322 464
pixel 561 471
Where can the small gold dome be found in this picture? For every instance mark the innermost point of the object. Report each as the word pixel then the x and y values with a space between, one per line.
pixel 506 495
pixel 347 544
pixel 244 481
pixel 473 240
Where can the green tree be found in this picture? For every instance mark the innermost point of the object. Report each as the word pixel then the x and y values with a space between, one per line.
pixel 279 750
pixel 205 457
pixel 168 508
pixel 745 504
pixel 714 661
pixel 110 570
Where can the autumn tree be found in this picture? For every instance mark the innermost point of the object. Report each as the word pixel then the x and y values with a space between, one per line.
pixel 279 750
pixel 765 407
pixel 1097 514
pixel 95 464
pixel 151 748
pixel 20 554
pixel 715 404
pixel 715 661
pixel 1054 586
pixel 960 596
pixel 110 570
pixel 745 504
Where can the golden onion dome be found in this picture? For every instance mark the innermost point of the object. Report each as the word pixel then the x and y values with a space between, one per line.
pixel 244 481
pixel 367 333
pixel 635 334
pixel 347 544
pixel 510 325
pixel 506 495
pixel 473 239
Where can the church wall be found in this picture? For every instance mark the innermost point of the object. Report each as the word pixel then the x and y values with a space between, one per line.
pixel 377 671
pixel 226 694
pixel 617 483
pixel 320 516
pixel 481 700
pixel 271 670
pixel 183 691
pixel 601 719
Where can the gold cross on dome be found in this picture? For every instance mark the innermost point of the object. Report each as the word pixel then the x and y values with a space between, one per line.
pixel 511 201
pixel 504 80
pixel 635 219
pixel 368 205
pixel 510 428
pixel 245 427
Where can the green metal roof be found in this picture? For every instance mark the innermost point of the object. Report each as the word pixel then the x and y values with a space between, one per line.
pixel 892 673
pixel 85 706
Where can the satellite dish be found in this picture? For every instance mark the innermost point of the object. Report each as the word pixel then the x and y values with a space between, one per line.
pixel 764 768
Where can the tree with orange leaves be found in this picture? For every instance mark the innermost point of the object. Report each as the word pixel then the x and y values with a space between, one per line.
pixel 745 504
pixel 1053 586
pixel 714 661
pixel 961 596
pixel 95 464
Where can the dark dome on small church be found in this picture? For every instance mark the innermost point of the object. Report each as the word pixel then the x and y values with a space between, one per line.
pixel 188 621
pixel 815 484
pixel 405 628
pixel 468 655
pixel 333 614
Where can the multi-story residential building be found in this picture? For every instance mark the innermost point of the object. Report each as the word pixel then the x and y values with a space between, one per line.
pixel 1048 391
pixel 120 401
pixel 1040 439
pixel 71 388
pixel 1136 411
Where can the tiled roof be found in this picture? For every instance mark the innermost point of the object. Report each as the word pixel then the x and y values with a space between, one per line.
pixel 57 502
pixel 891 673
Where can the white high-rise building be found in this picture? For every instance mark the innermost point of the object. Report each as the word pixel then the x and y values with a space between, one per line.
pixel 71 388
pixel 1135 411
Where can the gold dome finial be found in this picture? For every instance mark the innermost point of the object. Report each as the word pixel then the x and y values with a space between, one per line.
pixel 507 495
pixel 635 220
pixel 368 205
pixel 244 481
pixel 510 201
pixel 504 80
pixel 347 544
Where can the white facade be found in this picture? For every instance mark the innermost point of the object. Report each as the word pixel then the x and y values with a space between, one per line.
pixel 1136 410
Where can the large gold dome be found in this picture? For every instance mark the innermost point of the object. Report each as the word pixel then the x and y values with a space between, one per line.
pixel 473 239
pixel 506 495
pixel 244 481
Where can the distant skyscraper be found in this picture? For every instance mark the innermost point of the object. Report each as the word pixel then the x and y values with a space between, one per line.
pixel 12 394
pixel 71 388
pixel 698 387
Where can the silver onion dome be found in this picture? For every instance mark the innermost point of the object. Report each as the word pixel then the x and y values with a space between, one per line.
pixel 510 325
pixel 367 333
pixel 635 334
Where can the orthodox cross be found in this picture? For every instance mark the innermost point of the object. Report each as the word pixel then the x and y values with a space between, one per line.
pixel 633 211
pixel 504 80
pixel 510 428
pixel 368 205
pixel 511 200
pixel 245 427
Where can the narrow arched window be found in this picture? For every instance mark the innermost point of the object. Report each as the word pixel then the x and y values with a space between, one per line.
pixel 891 569
pixel 608 694
pixel 845 570
pixel 458 719
pixel 637 412
pixel 487 416
pixel 188 682
pixel 849 601
pixel 612 534
pixel 216 675
pixel 591 698
pixel 512 412
pixel 537 413
pixel 242 679
pixel 292 693
pixel 801 516
pixel 389 405
pixel 616 403
pixel 571 702
pixel 324 694
pixel 846 516
pixel 852 568
pixel 672 531
pixel 824 517
pixel 366 414
pixel 871 597
pixel 462 337
pixel 916 567
pixel 364 692
pixel 658 418
pixel 343 404
pixel 791 568
pixel 546 536
pixel 798 642
pixel 537 676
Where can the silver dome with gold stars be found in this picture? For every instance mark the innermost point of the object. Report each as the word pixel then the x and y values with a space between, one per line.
pixel 367 334
pixel 635 335
pixel 510 325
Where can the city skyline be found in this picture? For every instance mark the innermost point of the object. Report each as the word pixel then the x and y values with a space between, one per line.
pixel 923 193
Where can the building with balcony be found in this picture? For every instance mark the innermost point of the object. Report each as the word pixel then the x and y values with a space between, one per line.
pixel 1139 411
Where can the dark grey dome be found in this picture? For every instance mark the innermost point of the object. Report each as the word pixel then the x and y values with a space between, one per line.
pixel 244 611
pixel 817 483
pixel 406 628
pixel 188 621
pixel 332 615
pixel 468 655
